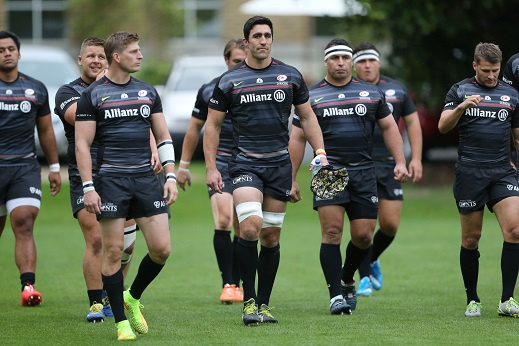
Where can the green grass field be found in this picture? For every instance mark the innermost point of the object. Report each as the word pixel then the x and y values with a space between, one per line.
pixel 422 301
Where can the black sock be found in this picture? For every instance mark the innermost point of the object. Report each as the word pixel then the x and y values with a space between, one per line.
pixel 381 242
pixel 148 270
pixel 364 267
pixel 113 286
pixel 354 257
pixel 95 296
pixel 27 278
pixel 469 263
pixel 235 267
pixel 509 269
pixel 331 262
pixel 268 264
pixel 247 256
pixel 223 250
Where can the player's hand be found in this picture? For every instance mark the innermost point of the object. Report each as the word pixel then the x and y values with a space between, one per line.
pixel 170 191
pixel 183 177
pixel 415 170
pixel 55 183
pixel 92 202
pixel 471 101
pixel 155 163
pixel 214 180
pixel 101 74
pixel 401 173
pixel 295 193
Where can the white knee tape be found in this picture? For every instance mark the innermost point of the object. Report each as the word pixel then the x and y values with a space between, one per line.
pixel 129 236
pixel 273 219
pixel 126 258
pixel 246 209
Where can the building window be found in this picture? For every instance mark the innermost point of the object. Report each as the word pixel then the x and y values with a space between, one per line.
pixel 36 19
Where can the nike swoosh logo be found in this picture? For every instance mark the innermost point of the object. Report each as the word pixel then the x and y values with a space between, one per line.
pixel 105 98
pixel 319 99
pixel 236 84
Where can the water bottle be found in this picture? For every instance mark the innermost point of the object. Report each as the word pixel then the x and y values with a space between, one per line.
pixel 316 166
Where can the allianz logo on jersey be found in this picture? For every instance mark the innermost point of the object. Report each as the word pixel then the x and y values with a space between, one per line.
pixel 359 110
pixel 477 112
pixel 24 106
pixel 278 95
pixel 144 111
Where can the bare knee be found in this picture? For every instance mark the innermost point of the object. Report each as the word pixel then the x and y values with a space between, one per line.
pixel 270 236
pixel 332 235
pixel 160 255
pixel 471 241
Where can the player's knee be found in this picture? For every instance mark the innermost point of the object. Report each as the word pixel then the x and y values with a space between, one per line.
pixel 160 255
pixel 96 244
pixel 247 209
pixel 224 221
pixel 273 219
pixel 332 235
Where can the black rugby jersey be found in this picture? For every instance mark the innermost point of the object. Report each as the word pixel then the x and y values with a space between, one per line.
pixel 484 131
pixel 511 72
pixel 259 102
pixel 66 96
pixel 400 105
pixel 123 116
pixel 347 116
pixel 200 112
pixel 21 102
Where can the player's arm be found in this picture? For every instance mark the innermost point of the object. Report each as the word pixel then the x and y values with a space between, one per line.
pixel 50 149
pixel 311 128
pixel 166 154
pixel 188 148
pixel 213 127
pixel 395 145
pixel 154 161
pixel 414 133
pixel 515 134
pixel 84 134
pixel 296 148
pixel 450 117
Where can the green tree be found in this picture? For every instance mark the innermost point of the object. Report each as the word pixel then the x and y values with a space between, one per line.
pixel 154 21
pixel 432 41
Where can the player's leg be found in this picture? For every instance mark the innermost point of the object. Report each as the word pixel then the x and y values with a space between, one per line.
pixel 331 218
pixel 222 206
pixel 471 226
pixel 22 222
pixel 506 212
pixel 238 294
pixel 92 263
pixel 248 202
pixel 130 235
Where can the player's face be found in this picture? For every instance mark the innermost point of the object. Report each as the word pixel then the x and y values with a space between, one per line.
pixel 368 70
pixel 237 56
pixel 487 73
pixel 9 55
pixel 130 58
pixel 92 62
pixel 338 67
pixel 260 41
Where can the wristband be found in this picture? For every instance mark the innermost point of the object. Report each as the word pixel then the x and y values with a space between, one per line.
pixel 88 183
pixel 320 152
pixel 185 162
pixel 88 188
pixel 54 167
pixel 171 176
pixel 182 169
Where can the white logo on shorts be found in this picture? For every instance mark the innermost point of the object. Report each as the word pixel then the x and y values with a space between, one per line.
pixel 108 207
pixel 241 178
pixel 374 199
pixel 35 191
pixel 159 204
pixel 466 203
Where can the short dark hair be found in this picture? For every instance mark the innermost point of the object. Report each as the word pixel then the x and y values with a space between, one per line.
pixel 8 34
pixel 232 44
pixel 337 42
pixel 365 45
pixel 117 42
pixel 489 52
pixel 91 42
pixel 256 20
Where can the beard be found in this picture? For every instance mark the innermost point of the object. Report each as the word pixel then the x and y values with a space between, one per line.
pixel 7 69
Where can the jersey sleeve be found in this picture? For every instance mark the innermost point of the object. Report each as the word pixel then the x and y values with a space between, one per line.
pixel 201 108
pixel 85 109
pixel 511 72
pixel 218 100
pixel 65 97
pixel 452 99
pixel 382 109
pixel 408 106
pixel 44 108
pixel 301 94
